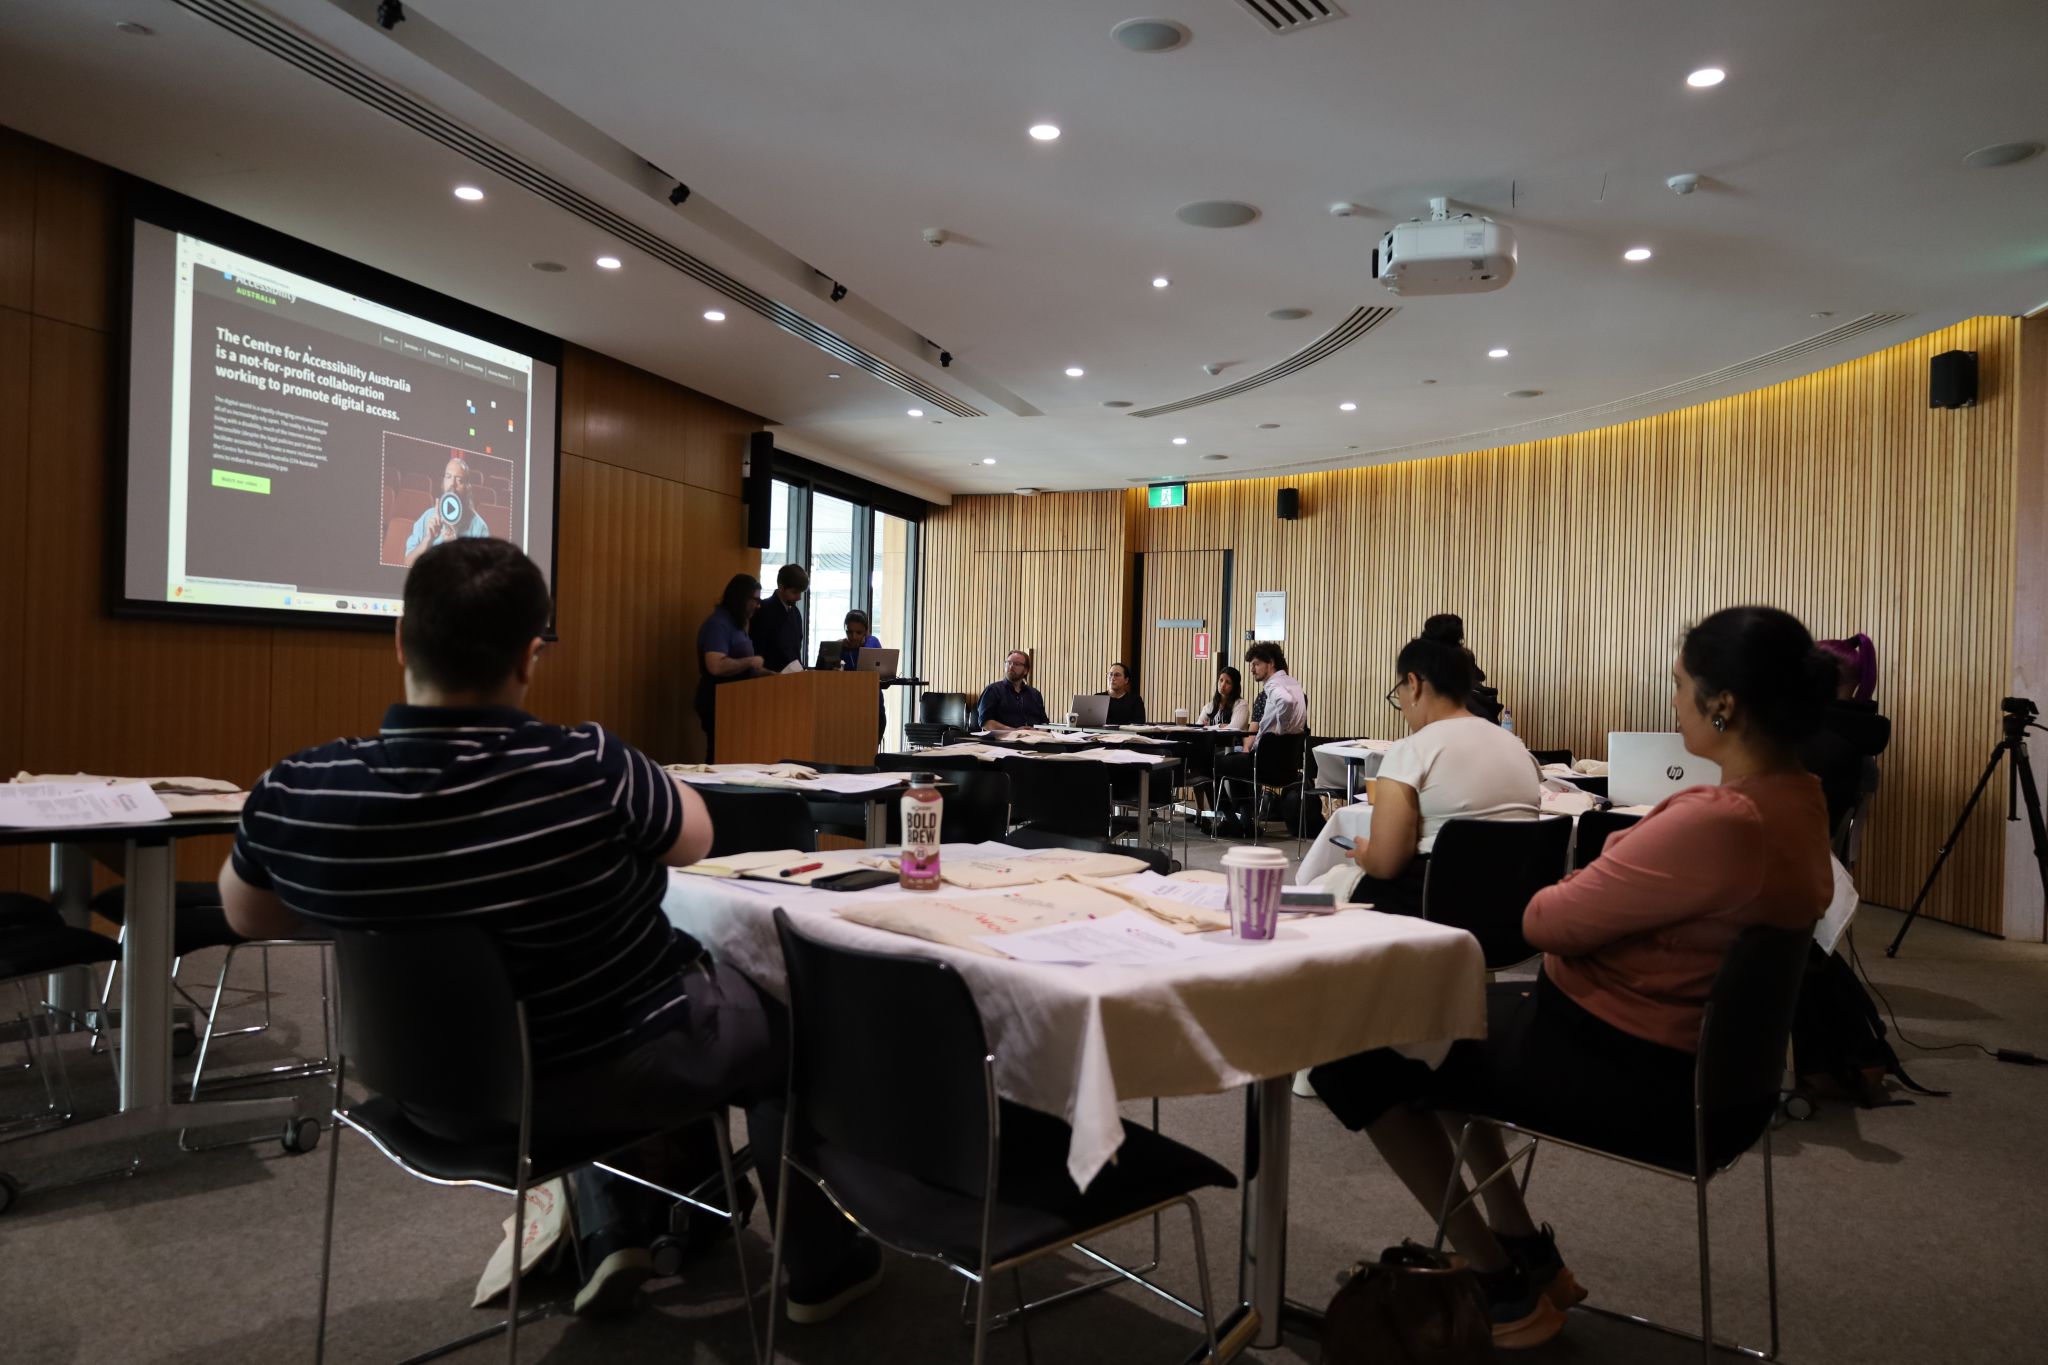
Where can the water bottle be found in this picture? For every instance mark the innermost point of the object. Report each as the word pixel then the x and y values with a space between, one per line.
pixel 922 809
pixel 1507 719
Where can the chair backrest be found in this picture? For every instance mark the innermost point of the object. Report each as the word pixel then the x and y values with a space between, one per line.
pixel 1548 756
pixel 428 1017
pixel 1482 874
pixel 1595 828
pixel 1283 760
pixel 745 820
pixel 888 1060
pixel 1158 859
pixel 945 708
pixel 1070 796
pixel 976 810
pixel 1744 1033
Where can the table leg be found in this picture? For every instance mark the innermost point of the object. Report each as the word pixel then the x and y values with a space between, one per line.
pixel 1264 1270
pixel 146 977
pixel 1144 807
pixel 1350 780
pixel 71 891
pixel 878 824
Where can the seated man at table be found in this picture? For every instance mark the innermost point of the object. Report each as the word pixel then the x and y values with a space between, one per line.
pixel 1272 752
pixel 1452 764
pixel 557 842
pixel 1011 702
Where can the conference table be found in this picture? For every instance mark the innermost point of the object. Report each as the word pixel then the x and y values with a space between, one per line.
pixel 150 863
pixel 1077 1040
pixel 1361 759
pixel 872 792
pixel 1145 761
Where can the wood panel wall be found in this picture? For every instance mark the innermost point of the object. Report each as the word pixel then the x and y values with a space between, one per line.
pixel 1577 561
pixel 1179 585
pixel 650 529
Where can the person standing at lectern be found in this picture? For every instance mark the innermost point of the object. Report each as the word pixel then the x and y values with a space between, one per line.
pixel 778 628
pixel 725 652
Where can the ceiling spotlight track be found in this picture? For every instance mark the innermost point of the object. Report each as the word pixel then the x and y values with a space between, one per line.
pixel 257 28
pixel 1361 321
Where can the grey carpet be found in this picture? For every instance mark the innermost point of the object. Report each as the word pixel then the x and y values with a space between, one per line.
pixel 1908 1234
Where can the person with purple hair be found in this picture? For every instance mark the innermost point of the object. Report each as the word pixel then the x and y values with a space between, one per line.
pixel 1852 731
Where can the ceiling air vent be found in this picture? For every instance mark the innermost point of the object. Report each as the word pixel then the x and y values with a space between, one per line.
pixel 1288 16
pixel 1361 321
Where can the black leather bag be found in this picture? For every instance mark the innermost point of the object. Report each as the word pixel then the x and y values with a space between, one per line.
pixel 1411 1307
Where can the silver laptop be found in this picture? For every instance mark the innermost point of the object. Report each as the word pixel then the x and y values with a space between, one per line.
pixel 875 660
pixel 1644 767
pixel 1090 711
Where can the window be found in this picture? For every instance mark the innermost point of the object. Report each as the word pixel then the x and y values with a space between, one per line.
pixel 893 601
pixel 782 533
pixel 831 564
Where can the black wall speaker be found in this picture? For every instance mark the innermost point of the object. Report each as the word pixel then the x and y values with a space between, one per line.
pixel 1289 506
pixel 759 491
pixel 1952 380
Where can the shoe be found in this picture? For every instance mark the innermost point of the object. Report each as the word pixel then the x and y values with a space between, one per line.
pixel 1537 1254
pixel 615 1282
pixel 820 1298
pixel 1522 1317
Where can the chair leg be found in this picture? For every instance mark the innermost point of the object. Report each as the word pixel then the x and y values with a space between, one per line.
pixel 212 1018
pixel 775 1248
pixel 327 1222
pixel 1023 1318
pixel 1202 1271
pixel 981 1318
pixel 99 1021
pixel 524 1171
pixel 1771 1242
pixel 732 1205
pixel 1706 1276
pixel 1451 1202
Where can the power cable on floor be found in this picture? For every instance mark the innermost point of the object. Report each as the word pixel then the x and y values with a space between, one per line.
pixel 2016 1056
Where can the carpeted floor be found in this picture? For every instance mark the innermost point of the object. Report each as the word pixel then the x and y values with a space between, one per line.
pixel 1906 1234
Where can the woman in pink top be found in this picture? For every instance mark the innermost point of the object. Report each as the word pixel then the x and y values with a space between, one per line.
pixel 1600 1048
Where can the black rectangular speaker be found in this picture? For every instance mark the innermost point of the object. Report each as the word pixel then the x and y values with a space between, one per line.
pixel 1289 504
pixel 1952 380
pixel 759 489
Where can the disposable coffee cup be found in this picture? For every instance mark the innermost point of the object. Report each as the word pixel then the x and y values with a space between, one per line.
pixel 1255 876
pixel 1180 715
pixel 1073 720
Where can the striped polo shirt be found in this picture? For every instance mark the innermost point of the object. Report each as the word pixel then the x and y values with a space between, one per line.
pixel 550 838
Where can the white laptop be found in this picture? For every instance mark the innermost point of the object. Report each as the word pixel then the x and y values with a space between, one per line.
pixel 875 660
pixel 1090 711
pixel 1644 767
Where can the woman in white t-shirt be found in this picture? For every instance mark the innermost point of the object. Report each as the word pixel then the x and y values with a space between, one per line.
pixel 1451 765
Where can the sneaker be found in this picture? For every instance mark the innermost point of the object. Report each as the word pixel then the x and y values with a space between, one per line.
pixel 1537 1254
pixel 820 1298
pixel 615 1282
pixel 1522 1317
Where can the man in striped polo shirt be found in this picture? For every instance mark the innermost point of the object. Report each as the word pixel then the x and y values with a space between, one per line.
pixel 557 841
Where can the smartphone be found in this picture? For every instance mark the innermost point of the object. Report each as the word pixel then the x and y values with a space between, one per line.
pixel 1341 842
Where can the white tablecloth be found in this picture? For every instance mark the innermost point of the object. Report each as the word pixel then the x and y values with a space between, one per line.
pixel 1076 1040
pixel 1331 760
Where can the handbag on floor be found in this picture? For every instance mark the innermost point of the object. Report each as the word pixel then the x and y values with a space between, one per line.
pixel 1410 1307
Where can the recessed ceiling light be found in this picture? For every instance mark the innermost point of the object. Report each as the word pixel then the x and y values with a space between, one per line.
pixel 1429 381
pixel 831 376
pixel 988 459
pixel 608 263
pixel 1150 35
pixel 1075 371
pixel 470 193
pixel 713 315
pixel 1180 440
pixel 2002 154
pixel 1160 281
pixel 1498 353
pixel 1216 213
pixel 1045 132
pixel 1636 253
pixel 135 30
pixel 1347 407
pixel 917 412
pixel 1705 77
pixel 548 267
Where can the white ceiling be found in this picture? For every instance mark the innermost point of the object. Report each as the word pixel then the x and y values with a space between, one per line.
pixel 834 132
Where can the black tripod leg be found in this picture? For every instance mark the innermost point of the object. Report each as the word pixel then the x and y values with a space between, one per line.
pixel 2032 794
pixel 1949 847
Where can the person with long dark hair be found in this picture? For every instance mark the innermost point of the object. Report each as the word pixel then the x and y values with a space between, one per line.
pixel 1448 628
pixel 1228 709
pixel 1602 1044
pixel 725 652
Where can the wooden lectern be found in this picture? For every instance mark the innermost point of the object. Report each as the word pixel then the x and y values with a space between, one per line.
pixel 818 716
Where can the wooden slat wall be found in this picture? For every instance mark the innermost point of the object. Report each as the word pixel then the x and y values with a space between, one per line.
pixel 1179 585
pixel 650 529
pixel 1577 561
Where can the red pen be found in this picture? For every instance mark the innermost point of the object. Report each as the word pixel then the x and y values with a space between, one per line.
pixel 799 871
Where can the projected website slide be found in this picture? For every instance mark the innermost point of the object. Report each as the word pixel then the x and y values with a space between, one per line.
pixel 319 443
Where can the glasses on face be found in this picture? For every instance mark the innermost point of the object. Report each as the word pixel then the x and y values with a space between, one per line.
pixel 1394 696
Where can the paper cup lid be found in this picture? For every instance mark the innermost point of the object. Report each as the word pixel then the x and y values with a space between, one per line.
pixel 1252 855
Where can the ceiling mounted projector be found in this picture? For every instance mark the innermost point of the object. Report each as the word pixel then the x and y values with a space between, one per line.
pixel 1443 254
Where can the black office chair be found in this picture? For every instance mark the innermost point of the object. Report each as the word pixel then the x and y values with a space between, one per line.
pixel 35 941
pixel 1071 796
pixel 1736 1080
pixel 1594 829
pixel 1158 859
pixel 976 810
pixel 845 818
pixel 952 709
pixel 199 922
pixel 894 1114
pixel 1482 874
pixel 748 820
pixel 1548 756
pixel 429 1018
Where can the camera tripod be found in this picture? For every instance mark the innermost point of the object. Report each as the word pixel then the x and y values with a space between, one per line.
pixel 2019 718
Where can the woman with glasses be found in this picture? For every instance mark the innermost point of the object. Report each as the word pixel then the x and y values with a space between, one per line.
pixel 1451 764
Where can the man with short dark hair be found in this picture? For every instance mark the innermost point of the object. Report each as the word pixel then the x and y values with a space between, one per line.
pixel 556 841
pixel 1011 702
pixel 1271 754
pixel 778 629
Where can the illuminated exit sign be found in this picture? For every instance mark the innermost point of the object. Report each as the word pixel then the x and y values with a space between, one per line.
pixel 1167 495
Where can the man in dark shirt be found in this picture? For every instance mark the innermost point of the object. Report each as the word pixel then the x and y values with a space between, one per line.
pixel 778 628
pixel 1011 703
pixel 556 841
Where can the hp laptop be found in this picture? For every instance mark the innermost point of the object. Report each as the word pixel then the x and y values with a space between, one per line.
pixel 1644 767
